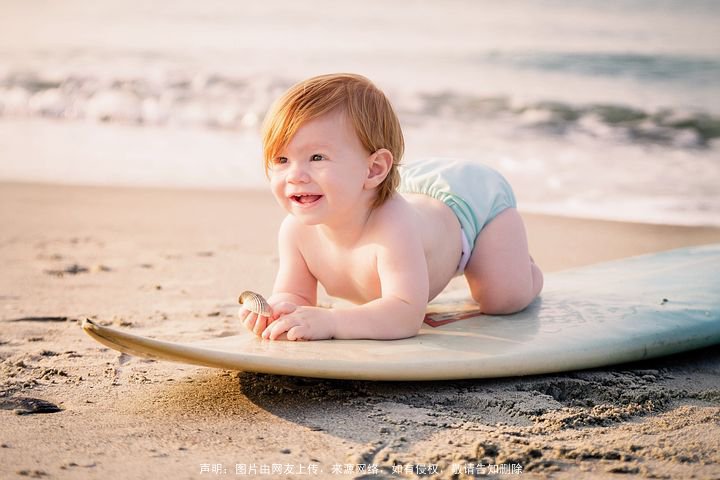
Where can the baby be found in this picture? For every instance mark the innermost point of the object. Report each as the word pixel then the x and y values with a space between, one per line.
pixel 387 240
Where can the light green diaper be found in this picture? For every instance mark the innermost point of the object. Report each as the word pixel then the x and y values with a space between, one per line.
pixel 476 193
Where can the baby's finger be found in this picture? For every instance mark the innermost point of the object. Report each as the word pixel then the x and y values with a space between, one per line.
pixel 277 328
pixel 260 325
pixel 298 332
pixel 250 320
pixel 269 329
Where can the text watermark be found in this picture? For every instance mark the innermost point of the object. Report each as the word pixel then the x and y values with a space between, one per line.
pixel 313 469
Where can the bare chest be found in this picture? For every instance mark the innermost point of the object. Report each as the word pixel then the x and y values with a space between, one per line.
pixel 348 274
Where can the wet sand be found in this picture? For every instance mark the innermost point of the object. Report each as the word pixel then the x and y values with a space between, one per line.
pixel 170 263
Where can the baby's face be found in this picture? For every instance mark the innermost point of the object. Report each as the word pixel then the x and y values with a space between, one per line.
pixel 319 177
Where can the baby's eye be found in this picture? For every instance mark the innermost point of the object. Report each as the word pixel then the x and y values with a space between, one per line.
pixel 316 157
pixel 281 160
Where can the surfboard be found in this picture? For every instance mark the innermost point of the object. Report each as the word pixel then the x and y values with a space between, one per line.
pixel 609 313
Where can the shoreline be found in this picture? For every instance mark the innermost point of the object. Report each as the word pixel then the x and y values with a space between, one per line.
pixel 556 241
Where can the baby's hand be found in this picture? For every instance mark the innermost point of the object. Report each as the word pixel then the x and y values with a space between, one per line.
pixel 304 323
pixel 257 323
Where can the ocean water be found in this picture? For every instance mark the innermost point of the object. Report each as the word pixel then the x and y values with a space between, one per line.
pixel 596 109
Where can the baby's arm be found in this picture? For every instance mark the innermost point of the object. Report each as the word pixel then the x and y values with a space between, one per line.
pixel 402 269
pixel 294 284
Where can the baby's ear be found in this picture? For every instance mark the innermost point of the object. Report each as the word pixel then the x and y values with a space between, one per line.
pixel 379 165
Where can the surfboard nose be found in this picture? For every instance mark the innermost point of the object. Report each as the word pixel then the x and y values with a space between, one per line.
pixel 88 325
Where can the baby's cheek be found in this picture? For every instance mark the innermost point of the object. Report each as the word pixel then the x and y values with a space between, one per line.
pixel 275 185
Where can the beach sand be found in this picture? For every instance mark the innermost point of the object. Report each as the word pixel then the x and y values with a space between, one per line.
pixel 170 263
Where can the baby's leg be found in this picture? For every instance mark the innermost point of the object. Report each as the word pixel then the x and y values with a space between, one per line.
pixel 502 277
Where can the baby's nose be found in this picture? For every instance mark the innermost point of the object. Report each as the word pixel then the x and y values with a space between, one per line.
pixel 297 174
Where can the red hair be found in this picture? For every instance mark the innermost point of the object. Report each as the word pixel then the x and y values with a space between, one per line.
pixel 367 107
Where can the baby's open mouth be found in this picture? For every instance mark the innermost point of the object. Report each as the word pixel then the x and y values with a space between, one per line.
pixel 305 198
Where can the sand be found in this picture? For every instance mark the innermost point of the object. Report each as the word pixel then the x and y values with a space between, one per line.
pixel 170 263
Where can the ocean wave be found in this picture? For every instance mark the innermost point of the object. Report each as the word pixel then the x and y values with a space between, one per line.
pixel 223 102
pixel 680 128
pixel 646 67
pixel 211 101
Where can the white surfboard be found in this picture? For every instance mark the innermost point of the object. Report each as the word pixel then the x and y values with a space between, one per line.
pixel 609 313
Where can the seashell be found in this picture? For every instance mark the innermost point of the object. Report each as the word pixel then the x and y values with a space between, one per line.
pixel 255 303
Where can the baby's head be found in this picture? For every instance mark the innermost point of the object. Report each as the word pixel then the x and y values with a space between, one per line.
pixel 364 105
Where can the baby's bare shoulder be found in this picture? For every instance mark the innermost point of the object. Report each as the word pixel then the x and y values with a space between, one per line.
pixel 292 230
pixel 395 215
pixel 290 224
